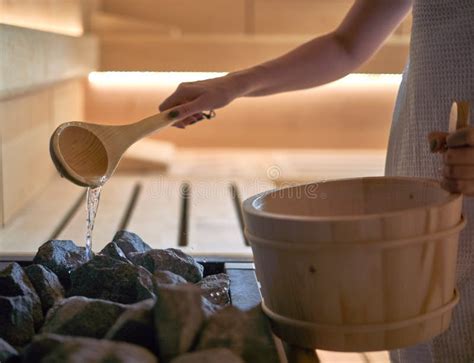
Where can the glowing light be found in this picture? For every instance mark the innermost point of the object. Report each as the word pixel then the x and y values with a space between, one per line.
pixel 149 78
pixel 47 25
pixel 174 78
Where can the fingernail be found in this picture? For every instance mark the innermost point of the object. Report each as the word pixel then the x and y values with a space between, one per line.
pixel 173 114
pixel 433 144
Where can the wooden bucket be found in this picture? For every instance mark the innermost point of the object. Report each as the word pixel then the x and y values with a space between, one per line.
pixel 358 264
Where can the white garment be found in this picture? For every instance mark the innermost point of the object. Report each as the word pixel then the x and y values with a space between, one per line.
pixel 440 70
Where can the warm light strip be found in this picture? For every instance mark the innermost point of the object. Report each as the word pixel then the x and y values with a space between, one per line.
pixel 149 78
pixel 173 78
pixel 74 30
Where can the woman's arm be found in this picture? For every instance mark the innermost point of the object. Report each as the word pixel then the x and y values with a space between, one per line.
pixel 319 61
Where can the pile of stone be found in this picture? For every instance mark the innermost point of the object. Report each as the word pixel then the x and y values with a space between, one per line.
pixel 129 303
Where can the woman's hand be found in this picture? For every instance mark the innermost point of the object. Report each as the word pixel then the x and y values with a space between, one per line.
pixel 190 99
pixel 458 157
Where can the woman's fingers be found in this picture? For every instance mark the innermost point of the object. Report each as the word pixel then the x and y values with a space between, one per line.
pixel 189 121
pixel 459 171
pixel 458 186
pixel 462 137
pixel 459 156
pixel 437 141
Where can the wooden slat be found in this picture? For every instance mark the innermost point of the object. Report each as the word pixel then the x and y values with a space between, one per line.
pixel 36 223
pixel 114 200
pixel 59 16
pixel 213 220
pixel 338 357
pixel 31 58
pixel 299 16
pixel 106 23
pixel 311 165
pixel 157 213
pixel 26 123
pixel 210 16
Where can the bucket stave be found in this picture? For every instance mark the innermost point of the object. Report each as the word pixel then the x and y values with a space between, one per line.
pixel 371 266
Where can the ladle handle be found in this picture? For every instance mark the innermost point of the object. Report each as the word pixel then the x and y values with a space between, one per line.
pixel 149 125
pixel 461 120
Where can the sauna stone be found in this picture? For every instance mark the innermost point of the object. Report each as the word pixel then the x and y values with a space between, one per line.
pixel 168 278
pixel 56 348
pixel 16 320
pixel 112 250
pixel 62 257
pixel 179 317
pixel 110 279
pixel 215 288
pixel 129 242
pixel 244 333
pixel 80 316
pixel 15 282
pixel 135 325
pixel 6 351
pixel 217 355
pixel 46 284
pixel 170 259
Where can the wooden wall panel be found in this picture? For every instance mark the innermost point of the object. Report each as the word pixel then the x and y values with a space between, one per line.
pixel 298 16
pixel 30 59
pixel 345 114
pixel 60 16
pixel 26 124
pixel 191 16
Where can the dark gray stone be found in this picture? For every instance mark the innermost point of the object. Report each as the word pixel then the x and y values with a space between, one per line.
pixel 208 307
pixel 80 316
pixel 170 259
pixel 247 334
pixel 110 279
pixel 168 278
pixel 62 257
pixel 51 348
pixel 217 355
pixel 178 319
pixel 215 288
pixel 15 282
pixel 114 251
pixel 46 284
pixel 136 326
pixel 129 242
pixel 6 351
pixel 16 320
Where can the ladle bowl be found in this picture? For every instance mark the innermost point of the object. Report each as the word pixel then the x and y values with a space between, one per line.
pixel 88 154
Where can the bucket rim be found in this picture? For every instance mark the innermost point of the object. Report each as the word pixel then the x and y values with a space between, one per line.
pixel 432 237
pixel 249 208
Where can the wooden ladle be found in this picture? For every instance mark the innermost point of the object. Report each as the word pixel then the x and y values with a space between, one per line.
pixel 88 154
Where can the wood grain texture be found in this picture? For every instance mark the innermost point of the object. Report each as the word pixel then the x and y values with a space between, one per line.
pixel 37 222
pixel 156 217
pixel 211 16
pixel 353 247
pixel 26 123
pixel 59 16
pixel 32 59
pixel 88 154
